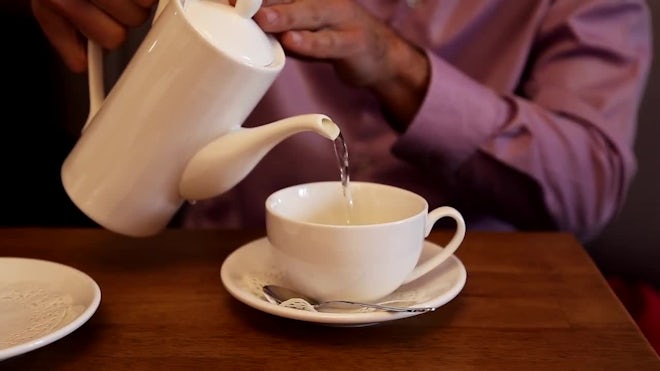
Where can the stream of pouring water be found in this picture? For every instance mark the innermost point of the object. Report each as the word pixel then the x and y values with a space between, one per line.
pixel 341 151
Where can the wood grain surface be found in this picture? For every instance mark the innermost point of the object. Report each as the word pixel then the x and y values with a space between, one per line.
pixel 532 301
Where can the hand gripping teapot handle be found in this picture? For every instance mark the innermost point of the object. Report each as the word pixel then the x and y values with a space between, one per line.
pixel 95 71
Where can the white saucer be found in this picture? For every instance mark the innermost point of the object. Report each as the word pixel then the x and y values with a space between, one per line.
pixel 40 302
pixel 250 267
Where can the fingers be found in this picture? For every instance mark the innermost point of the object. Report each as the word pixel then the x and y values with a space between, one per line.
pixel 65 22
pixel 92 22
pixel 128 13
pixel 148 4
pixel 322 44
pixel 329 29
pixel 282 15
pixel 62 35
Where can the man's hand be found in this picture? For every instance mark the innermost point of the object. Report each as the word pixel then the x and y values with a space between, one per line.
pixel 364 51
pixel 68 23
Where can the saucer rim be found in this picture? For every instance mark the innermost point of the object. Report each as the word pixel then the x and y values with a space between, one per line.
pixel 94 293
pixel 335 319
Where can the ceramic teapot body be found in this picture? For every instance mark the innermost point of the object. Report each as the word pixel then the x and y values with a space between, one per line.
pixel 181 93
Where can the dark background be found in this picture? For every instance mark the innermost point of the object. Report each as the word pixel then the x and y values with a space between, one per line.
pixel 33 139
pixel 631 244
pixel 44 107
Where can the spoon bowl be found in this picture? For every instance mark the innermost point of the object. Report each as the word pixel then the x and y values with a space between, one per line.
pixel 278 295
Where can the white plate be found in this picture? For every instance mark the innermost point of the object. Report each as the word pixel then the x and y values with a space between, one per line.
pixel 40 302
pixel 250 267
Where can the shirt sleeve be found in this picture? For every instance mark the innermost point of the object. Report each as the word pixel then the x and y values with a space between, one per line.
pixel 558 152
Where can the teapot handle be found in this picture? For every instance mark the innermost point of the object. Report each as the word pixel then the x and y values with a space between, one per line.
pixel 160 7
pixel 95 79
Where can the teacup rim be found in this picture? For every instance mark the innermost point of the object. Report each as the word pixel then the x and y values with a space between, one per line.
pixel 422 212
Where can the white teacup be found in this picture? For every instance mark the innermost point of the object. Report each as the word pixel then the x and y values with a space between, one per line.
pixel 332 249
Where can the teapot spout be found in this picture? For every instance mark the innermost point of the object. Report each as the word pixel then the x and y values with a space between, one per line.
pixel 224 162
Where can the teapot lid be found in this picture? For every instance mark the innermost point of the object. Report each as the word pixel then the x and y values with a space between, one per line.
pixel 231 29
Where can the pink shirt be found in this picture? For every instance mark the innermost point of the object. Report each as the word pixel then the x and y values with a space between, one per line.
pixel 528 122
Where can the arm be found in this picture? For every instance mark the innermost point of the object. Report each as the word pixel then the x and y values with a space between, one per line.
pixel 562 147
pixel 557 154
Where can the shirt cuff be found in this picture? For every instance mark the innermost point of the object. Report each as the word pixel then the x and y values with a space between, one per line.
pixel 456 117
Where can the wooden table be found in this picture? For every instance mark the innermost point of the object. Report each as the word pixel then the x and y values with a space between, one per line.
pixel 533 301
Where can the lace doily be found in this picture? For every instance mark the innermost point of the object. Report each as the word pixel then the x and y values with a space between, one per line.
pixel 29 310
pixel 254 282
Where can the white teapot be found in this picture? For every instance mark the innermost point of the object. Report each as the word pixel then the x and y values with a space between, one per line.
pixel 170 128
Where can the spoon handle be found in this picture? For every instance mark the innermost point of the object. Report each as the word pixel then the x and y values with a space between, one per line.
pixel 388 308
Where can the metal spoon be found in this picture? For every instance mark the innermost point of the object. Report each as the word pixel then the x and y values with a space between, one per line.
pixel 279 294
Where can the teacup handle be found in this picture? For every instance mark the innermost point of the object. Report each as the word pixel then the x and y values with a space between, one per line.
pixel 447 251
